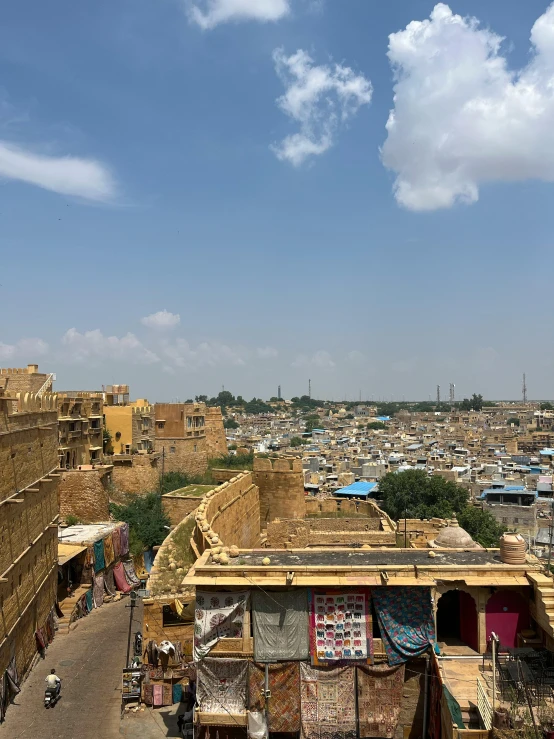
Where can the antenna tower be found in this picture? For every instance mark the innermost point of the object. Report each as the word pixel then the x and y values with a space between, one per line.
pixel 279 392
pixel 524 389
pixel 309 389
pixel 452 393
pixel 438 394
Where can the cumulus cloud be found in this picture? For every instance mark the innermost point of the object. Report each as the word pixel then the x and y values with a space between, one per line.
pixel 161 320
pixel 266 352
pixel 84 178
pixel 27 348
pixel 206 354
pixel 210 13
pixel 321 360
pixel 95 345
pixel 461 117
pixel 321 98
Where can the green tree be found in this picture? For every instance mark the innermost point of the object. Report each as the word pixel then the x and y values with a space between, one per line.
pixel 465 405
pixel 297 441
pixel 233 461
pixel 476 402
pixel 416 494
pixel 376 426
pixel 481 526
pixel 312 422
pixel 513 421
pixel 230 423
pixel 146 518
pixel 201 398
pixel 107 441
pixel 547 406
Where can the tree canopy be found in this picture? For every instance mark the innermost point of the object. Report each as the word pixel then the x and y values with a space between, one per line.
pixel 146 518
pixel 230 423
pixel 297 441
pixel 547 406
pixel 376 426
pixel 417 495
pixel 481 526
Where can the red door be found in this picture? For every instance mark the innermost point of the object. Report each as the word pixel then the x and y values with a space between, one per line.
pixel 507 613
pixel 468 620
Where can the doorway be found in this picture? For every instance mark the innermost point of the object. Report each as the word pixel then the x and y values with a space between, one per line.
pixel 507 613
pixel 457 619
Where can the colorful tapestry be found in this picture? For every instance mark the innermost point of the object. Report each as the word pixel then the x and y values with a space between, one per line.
pixel 168 694
pixel 328 702
pixel 177 692
pixel 158 695
pixel 284 704
pixel 379 700
pixel 123 539
pixel 116 543
pixel 98 590
pixel 221 685
pixel 406 621
pixel 280 622
pixel 340 626
pixel 148 693
pixel 108 550
pixel 99 563
pixel 89 600
pixel 217 615
pixel 130 575
pixel 109 582
pixel 120 580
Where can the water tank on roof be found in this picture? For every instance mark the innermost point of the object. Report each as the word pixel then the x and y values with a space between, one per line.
pixel 512 549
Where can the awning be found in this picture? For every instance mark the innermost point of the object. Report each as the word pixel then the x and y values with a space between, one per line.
pixel 68 551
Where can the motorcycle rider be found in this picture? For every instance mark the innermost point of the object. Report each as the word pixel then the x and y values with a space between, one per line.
pixel 53 683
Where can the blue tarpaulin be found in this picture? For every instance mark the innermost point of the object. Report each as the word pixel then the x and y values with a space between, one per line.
pixel 357 490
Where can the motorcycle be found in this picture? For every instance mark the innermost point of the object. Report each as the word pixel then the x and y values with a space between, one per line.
pixel 51 696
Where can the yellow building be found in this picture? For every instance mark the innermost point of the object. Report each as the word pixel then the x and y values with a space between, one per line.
pixel 131 427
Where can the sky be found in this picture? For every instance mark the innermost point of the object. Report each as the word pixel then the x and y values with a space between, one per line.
pixel 251 193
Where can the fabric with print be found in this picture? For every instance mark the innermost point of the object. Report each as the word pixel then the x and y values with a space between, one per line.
pixel 406 621
pixel 217 615
pixel 158 695
pixel 123 539
pixel 379 700
pixel 168 694
pixel 120 579
pixel 148 693
pixel 284 704
pixel 340 626
pixel 90 600
pixel 280 622
pixel 98 590
pixel 108 550
pixel 109 582
pixel 116 542
pixel 328 702
pixel 99 563
pixel 130 574
pixel 222 685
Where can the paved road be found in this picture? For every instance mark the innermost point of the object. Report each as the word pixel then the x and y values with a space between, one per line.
pixel 89 661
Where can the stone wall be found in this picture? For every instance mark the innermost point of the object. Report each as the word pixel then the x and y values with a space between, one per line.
pixel 522 518
pixel 84 493
pixel 281 485
pixel 216 443
pixel 140 474
pixel 295 534
pixel 179 506
pixel 233 512
pixel 184 455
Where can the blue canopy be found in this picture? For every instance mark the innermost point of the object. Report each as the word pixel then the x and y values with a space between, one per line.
pixel 357 489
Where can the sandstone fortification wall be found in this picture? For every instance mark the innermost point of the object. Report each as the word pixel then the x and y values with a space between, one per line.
pixel 281 485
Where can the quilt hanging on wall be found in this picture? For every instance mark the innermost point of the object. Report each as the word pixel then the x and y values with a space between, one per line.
pixel 328 702
pixel 280 622
pixel 284 704
pixel 406 621
pixel 221 685
pixel 217 615
pixel 380 691
pixel 340 626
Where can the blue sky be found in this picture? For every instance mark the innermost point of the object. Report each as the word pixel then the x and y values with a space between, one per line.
pixel 156 163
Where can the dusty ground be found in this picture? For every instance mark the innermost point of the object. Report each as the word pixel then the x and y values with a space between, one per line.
pixel 89 660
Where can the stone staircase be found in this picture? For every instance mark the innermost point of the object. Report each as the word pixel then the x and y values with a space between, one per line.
pixel 542 610
pixel 65 625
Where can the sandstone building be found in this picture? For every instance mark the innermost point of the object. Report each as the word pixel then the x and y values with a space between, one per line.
pixel 80 428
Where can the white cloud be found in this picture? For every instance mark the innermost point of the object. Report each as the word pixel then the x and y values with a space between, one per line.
pixel 206 354
pixel 355 356
pixel 161 320
pixel 93 344
pixel 266 352
pixel 321 360
pixel 27 348
pixel 321 98
pixel 461 117
pixel 84 178
pixel 209 13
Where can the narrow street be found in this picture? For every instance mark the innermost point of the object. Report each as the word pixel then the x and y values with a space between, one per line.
pixel 89 660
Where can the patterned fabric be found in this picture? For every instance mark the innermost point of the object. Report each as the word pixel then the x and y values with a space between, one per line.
pixel 168 694
pixel 406 621
pixel 89 599
pixel 177 692
pixel 157 695
pixel 340 626
pixel 379 700
pixel 89 557
pixel 280 623
pixel 98 590
pixel 435 718
pixel 120 580
pixel 123 539
pixel 116 543
pixel 108 550
pixel 109 582
pixel 328 702
pixel 217 615
pixel 148 693
pixel 99 556
pixel 130 575
pixel 284 704
pixel 222 685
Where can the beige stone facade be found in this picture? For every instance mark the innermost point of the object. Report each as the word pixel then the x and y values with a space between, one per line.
pixel 281 485
pixel 216 443
pixel 80 428
pixel 181 437
pixel 132 427
pixel 84 493
pixel 138 473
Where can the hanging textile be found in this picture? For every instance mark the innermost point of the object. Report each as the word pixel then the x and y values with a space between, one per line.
pixel 123 539
pixel 185 612
pixel 167 694
pixel 257 725
pixel 328 702
pixel 435 701
pixel 218 615
pixel 98 555
pixel 340 626
pixel 3 697
pixel 49 627
pixel 379 700
pixel 222 685
pixel 59 612
pixel 108 550
pixel 120 581
pixel 280 623
pixel 116 542
pixel 177 693
pixel 284 704
pixel 158 695
pixel 151 653
pixel 406 621
pixel 454 708
pixel 98 590
pixel 109 582
pixel 148 693
pixel 40 640
pixel 90 600
pixel 130 575
pixel 89 557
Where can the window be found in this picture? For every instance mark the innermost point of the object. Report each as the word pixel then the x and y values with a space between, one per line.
pixel 172 450
pixel 189 422
pixel 127 449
